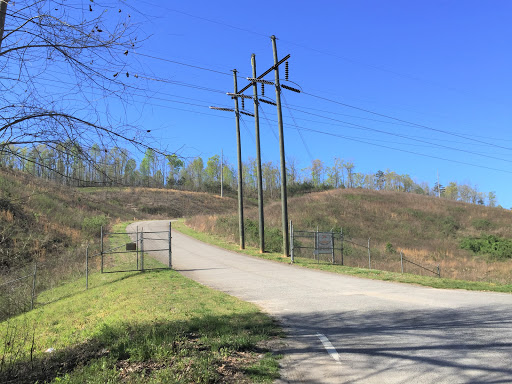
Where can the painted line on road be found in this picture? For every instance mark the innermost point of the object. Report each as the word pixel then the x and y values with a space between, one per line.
pixel 329 347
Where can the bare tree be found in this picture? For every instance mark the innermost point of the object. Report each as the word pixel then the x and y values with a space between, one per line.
pixel 64 75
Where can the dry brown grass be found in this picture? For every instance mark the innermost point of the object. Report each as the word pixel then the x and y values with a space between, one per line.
pixel 428 230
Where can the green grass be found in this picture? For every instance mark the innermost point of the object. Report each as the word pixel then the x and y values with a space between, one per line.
pixel 138 327
pixel 434 282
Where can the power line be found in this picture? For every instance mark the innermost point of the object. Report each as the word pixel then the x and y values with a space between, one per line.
pixel 298 130
pixel 406 151
pixel 358 126
pixel 405 121
pixel 181 63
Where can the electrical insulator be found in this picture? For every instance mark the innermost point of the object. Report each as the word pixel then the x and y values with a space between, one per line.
pixel 286 71
pixel 243 104
pixel 262 89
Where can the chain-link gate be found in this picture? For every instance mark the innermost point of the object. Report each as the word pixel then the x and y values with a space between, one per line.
pixel 126 251
pixel 320 246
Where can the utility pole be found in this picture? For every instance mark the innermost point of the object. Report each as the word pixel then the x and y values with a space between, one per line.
pixel 239 94
pixel 239 155
pixel 284 194
pixel 258 157
pixel 235 97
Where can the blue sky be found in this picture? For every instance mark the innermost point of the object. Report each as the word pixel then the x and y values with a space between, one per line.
pixel 443 66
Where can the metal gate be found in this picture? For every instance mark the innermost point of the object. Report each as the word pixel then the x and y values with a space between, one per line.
pixel 127 251
pixel 321 246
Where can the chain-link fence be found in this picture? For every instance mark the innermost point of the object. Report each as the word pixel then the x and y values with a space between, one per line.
pixel 20 287
pixel 124 251
pixel 113 252
pixel 335 248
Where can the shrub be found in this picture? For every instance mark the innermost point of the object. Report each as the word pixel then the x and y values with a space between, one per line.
pixel 449 226
pixel 390 248
pixel 491 245
pixel 92 225
pixel 481 224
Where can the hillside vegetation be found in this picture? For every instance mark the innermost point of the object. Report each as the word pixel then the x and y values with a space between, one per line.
pixel 51 224
pixel 135 327
pixel 428 230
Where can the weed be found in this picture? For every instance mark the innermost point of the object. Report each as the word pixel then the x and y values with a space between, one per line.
pixel 389 248
pixel 482 224
pixel 92 225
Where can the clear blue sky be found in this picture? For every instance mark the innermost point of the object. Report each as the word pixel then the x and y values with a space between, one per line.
pixel 444 66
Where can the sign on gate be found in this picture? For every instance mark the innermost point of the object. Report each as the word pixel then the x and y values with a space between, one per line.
pixel 324 243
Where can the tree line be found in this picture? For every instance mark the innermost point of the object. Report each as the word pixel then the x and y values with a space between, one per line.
pixel 70 164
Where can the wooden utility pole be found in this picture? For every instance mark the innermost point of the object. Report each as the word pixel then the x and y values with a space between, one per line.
pixel 239 155
pixel 258 157
pixel 284 194
pixel 239 94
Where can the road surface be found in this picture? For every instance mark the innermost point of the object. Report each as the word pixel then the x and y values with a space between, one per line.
pixel 345 329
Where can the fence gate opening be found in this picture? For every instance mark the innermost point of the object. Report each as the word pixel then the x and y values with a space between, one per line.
pixel 127 251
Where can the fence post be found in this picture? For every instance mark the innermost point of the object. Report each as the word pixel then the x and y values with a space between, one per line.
pixel 316 245
pixel 142 250
pixel 102 249
pixel 292 250
pixel 341 237
pixel 369 256
pixel 332 249
pixel 402 261
pixel 87 267
pixel 438 271
pixel 33 286
pixel 170 243
pixel 137 247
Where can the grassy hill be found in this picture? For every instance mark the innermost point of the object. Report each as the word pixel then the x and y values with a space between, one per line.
pixel 128 327
pixel 428 230
pixel 137 327
pixel 51 225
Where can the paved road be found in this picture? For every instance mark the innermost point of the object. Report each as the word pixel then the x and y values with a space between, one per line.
pixel 350 330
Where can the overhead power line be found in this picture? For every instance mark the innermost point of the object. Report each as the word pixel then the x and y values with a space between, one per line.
pixel 358 126
pixel 405 121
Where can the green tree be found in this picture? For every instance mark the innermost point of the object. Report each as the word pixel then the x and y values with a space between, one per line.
pixel 212 169
pixel 317 170
pixel 175 165
pixel 146 166
pixel 491 199
pixel 451 191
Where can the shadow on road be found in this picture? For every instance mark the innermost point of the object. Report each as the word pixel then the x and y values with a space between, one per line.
pixel 457 346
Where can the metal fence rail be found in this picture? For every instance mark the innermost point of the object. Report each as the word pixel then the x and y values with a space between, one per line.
pixel 436 271
pixel 344 251
pixel 136 248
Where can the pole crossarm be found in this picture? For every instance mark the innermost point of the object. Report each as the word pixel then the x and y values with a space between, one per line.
pixel 267 101
pixel 266 72
pixel 231 110
pixel 253 80
pixel 290 88
pixel 238 95
pixel 222 109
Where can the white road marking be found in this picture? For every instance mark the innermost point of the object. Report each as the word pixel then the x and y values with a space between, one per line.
pixel 329 347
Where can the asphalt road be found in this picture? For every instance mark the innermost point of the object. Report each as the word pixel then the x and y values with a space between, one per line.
pixel 350 330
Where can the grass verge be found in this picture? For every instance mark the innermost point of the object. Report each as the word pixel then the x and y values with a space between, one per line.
pixel 434 282
pixel 138 327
